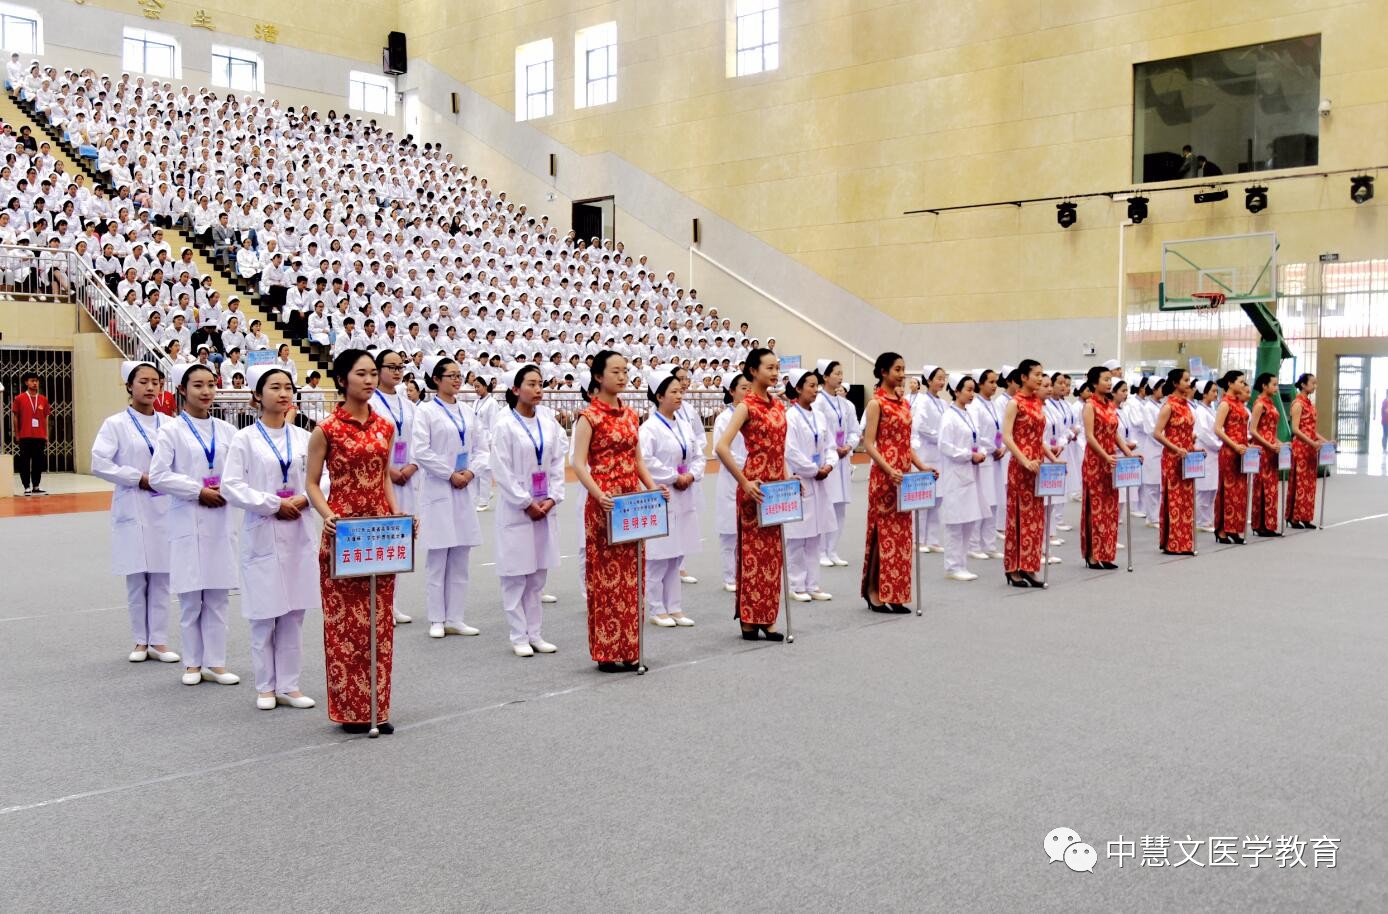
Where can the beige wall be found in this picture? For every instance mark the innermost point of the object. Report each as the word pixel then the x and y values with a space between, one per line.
pixel 879 107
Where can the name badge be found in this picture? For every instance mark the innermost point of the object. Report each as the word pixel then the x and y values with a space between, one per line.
pixel 814 458
pixel 682 469
pixel 460 462
pixel 285 493
pixel 840 438
pixel 399 452
pixel 997 440
pixel 211 482
pixel 33 423
pixel 539 485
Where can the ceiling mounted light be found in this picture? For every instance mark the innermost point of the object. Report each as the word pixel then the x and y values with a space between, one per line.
pixel 1255 199
pixel 1361 189
pixel 1065 214
pixel 1137 209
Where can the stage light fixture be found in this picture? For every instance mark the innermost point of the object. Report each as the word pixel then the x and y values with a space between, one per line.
pixel 1361 189
pixel 1065 214
pixel 1255 199
pixel 1137 209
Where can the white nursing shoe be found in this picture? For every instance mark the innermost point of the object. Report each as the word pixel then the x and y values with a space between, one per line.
pixel 191 677
pixel 265 702
pixel 459 628
pixel 523 650
pixel 163 656
pixel 820 596
pixel 220 678
pixel 294 701
pixel 548 598
pixel 436 630
pixel 543 647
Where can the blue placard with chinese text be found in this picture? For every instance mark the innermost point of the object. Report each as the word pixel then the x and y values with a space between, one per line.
pixel 1327 455
pixel 1193 466
pixel 638 516
pixel 917 491
pixel 1253 460
pixel 1127 473
pixel 1284 457
pixel 781 503
pixel 1050 480
pixel 364 546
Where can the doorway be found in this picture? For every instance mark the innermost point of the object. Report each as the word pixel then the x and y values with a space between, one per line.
pixel 1361 405
pixel 595 218
pixel 410 114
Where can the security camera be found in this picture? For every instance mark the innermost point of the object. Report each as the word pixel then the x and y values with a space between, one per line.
pixel 1325 107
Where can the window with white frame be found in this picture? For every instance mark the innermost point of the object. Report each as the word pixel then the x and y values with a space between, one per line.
pixel 370 93
pixel 152 53
pixel 535 80
pixel 756 36
pixel 237 69
pixel 21 29
pixel 595 65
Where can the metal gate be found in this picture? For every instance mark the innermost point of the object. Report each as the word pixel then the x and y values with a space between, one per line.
pixel 54 368
pixel 1352 404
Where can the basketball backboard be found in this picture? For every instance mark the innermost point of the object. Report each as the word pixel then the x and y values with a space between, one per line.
pixel 1241 267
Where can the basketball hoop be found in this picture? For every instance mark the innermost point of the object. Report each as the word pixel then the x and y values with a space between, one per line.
pixel 1207 302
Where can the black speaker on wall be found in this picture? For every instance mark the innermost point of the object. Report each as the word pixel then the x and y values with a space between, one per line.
pixel 453 101
pixel 395 56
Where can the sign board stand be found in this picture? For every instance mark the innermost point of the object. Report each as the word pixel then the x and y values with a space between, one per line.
pixel 1050 480
pixel 1127 476
pixel 1326 458
pixel 915 494
pixel 782 503
pixel 1250 469
pixel 635 518
pixel 1284 462
pixel 368 547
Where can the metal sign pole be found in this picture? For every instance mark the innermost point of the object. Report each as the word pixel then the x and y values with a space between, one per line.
pixel 916 518
pixel 1046 534
pixel 375 731
pixel 641 607
pixel 1193 531
pixel 1128 511
pixel 785 583
pixel 1281 504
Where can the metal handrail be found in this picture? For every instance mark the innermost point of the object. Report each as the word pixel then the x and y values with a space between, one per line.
pixel 89 292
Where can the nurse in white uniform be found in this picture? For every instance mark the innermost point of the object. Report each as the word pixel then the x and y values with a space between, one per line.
pixel 139 541
pixel 725 490
pixel 1062 431
pixel 279 550
pixel 449 442
pixel 1150 490
pixel 527 459
pixel 486 409
pixel 390 401
pixel 1008 385
pixel 695 422
pixel 987 420
pixel 962 462
pixel 810 457
pixel 674 457
pixel 1207 441
pixel 189 458
pixel 927 412
pixel 836 413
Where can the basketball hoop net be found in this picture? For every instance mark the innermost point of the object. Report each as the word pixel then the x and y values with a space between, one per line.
pixel 1207 301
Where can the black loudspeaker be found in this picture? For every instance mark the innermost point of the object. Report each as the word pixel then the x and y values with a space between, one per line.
pixel 696 232
pixel 453 100
pixel 395 56
pixel 553 165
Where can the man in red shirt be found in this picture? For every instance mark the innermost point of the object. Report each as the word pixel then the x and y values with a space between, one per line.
pixel 30 412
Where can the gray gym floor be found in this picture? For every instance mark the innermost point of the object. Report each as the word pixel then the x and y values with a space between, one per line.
pixel 879 763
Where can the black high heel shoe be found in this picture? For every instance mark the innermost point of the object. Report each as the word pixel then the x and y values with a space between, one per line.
pixel 772 636
pixel 1032 580
pixel 1109 566
pixel 1224 540
pixel 1015 582
pixel 1094 566
pixel 1239 540
pixel 749 635
pixel 608 666
pixel 879 607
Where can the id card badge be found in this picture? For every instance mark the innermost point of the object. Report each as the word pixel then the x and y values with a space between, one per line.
pixel 34 423
pixel 814 458
pixel 539 485
pixel 682 469
pixel 285 492
pixel 840 438
pixel 398 454
pixel 460 462
pixel 211 482
pixel 997 440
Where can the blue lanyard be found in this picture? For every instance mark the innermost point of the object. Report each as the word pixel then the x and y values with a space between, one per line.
pixel 400 420
pixel 458 422
pixel 967 421
pixel 814 426
pixel 684 451
pixel 210 453
pixel 540 445
pixel 937 403
pixel 993 413
pixel 141 429
pixel 288 457
pixel 834 405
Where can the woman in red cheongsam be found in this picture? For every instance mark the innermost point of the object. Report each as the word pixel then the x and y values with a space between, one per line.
pixel 761 420
pixel 1265 521
pixel 887 440
pixel 1023 428
pixel 1231 425
pixel 355 444
pixel 1099 510
pixel 1175 432
pixel 1306 446
pixel 607 461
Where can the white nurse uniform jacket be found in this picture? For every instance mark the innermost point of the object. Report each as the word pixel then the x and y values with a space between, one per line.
pixel 809 446
pixel 665 445
pixel 840 419
pixel 725 488
pixel 201 556
pixel 399 409
pixel 524 546
pixel 445 438
pixel 963 501
pixel 121 454
pixel 279 558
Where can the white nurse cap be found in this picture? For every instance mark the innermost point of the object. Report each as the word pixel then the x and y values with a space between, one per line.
pixel 128 368
pixel 822 365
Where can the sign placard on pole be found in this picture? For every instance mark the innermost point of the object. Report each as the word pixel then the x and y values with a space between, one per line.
pixel 1050 480
pixel 916 492
pixel 1127 473
pixel 1252 460
pixel 1284 457
pixel 1193 466
pixel 637 516
pixel 1326 455
pixel 367 547
pixel 782 503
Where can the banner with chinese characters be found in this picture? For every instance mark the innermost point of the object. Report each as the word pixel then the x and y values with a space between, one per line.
pixel 781 503
pixel 1193 466
pixel 1050 480
pixel 1127 473
pixel 364 546
pixel 917 491
pixel 638 516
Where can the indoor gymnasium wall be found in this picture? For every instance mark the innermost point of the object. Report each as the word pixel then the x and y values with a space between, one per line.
pixel 880 107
